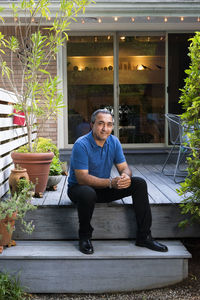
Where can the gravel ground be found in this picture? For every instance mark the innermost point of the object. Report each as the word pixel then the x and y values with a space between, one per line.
pixel 189 289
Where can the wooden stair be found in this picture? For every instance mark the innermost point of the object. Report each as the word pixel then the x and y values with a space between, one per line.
pixel 49 261
pixel 116 266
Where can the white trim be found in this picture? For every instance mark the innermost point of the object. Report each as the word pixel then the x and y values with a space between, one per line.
pixel 128 7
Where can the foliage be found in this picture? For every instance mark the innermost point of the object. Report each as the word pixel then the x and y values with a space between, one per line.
pixel 43 145
pixel 20 202
pixel 55 167
pixel 39 33
pixel 10 288
pixel 46 145
pixel 190 100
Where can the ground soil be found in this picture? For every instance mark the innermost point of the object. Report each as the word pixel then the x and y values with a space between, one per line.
pixel 189 289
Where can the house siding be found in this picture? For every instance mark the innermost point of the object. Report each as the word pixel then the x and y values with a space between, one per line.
pixel 50 128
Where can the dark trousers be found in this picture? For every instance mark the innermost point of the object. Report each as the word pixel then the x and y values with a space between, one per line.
pixel 85 198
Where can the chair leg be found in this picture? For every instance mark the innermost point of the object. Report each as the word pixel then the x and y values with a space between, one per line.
pixel 168 156
pixel 179 159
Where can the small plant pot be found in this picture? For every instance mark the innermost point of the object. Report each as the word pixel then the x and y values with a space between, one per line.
pixel 53 182
pixel 14 178
pixel 6 232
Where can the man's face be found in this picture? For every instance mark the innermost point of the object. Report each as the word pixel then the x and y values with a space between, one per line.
pixel 102 127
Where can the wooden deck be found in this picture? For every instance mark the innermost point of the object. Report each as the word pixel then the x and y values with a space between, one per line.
pixel 161 188
pixel 49 260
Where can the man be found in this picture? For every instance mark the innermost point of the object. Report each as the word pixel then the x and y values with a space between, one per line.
pixel 93 156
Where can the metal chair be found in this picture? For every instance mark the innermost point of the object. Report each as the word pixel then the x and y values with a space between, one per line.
pixel 178 138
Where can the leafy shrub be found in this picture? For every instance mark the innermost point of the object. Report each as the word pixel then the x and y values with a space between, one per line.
pixel 190 100
pixel 55 167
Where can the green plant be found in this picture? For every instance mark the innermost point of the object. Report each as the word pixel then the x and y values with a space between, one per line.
pixel 55 167
pixel 21 203
pixel 10 288
pixel 190 100
pixel 42 145
pixel 39 33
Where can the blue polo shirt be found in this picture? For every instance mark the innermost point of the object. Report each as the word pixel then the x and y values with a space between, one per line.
pixel 87 155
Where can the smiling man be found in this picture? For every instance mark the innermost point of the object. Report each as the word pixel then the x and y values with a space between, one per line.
pixel 93 156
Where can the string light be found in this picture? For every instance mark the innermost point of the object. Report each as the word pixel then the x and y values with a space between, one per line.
pixel 133 19
pixel 108 37
pixel 49 18
pixel 116 19
pixel 122 38
pixel 32 20
pixel 15 19
pixel 198 19
pixel 148 18
pixel 82 21
pixel 182 19
pixel 99 20
pixel 165 19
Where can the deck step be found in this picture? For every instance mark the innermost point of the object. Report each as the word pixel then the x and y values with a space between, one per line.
pixel 116 221
pixel 59 267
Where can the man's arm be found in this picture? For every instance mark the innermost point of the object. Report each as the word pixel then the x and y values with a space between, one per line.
pixel 124 181
pixel 123 168
pixel 119 182
pixel 84 178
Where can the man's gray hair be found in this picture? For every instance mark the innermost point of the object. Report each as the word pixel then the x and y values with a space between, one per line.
pixel 100 111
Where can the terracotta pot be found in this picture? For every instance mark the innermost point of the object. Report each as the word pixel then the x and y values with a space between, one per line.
pixel 5 234
pixel 37 166
pixel 14 178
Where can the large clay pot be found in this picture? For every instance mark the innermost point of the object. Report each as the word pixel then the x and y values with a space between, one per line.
pixel 5 234
pixel 14 178
pixel 37 166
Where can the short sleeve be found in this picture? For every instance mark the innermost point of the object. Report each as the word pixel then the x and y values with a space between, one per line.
pixel 119 155
pixel 80 157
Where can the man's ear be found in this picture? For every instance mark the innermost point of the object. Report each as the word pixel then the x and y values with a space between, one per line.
pixel 91 125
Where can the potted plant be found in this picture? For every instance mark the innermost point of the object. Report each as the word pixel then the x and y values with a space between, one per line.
pixel 15 208
pixel 55 174
pixel 39 33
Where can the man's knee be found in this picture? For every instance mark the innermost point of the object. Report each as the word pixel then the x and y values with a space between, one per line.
pixel 87 196
pixel 139 182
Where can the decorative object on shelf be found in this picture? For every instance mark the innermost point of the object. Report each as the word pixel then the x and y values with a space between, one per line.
pixel 110 68
pixel 75 68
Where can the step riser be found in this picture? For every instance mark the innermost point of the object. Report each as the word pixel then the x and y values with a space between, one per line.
pixel 96 276
pixel 115 222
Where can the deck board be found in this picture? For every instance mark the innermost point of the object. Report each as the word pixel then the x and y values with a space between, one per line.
pixel 161 188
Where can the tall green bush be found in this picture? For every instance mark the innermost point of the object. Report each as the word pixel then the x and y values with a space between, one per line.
pixel 190 100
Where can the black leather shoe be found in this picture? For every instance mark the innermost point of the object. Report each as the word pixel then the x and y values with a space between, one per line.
pixel 85 246
pixel 150 243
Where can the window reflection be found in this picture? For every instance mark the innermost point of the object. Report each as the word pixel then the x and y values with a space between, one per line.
pixel 142 89
pixel 90 80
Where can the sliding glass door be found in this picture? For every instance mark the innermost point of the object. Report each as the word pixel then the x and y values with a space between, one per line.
pixel 142 89
pixel 90 80
pixel 139 68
